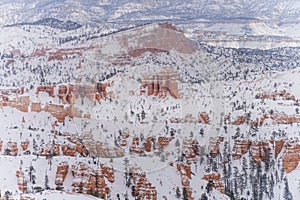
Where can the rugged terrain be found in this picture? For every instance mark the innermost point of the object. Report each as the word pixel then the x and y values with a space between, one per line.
pixel 144 110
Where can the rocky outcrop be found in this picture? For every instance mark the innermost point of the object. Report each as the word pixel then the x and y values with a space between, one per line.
pixel 89 181
pixel 1 144
pixel 191 149
pixel 161 83
pixel 282 118
pixel 61 173
pixel 69 149
pixel 50 149
pixel 240 148
pixel 12 91
pixel 164 141
pixel 80 148
pixel 24 145
pixel 216 179
pixel 240 120
pixel 291 157
pixel 259 151
pixel 48 89
pixel 278 146
pixel 185 174
pixel 135 146
pixel 204 118
pixel 214 148
pixel 276 95
pixel 98 148
pixel 11 149
pixel 143 189
pixel 108 172
pixel 151 144
pixel 22 182
pixel 138 52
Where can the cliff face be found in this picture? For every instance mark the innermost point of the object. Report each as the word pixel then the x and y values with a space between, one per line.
pixel 191 149
pixel 240 148
pixel 160 84
pixel 276 95
pixel 259 151
pixel 22 182
pixel 214 148
pixel 89 181
pixel 291 157
pixel 61 173
pixel 186 176
pixel 216 179
pixel 143 189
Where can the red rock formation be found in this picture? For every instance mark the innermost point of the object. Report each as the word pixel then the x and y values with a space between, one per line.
pixel 24 145
pixel 164 141
pixel 204 118
pixel 186 176
pixel 283 118
pixel 149 144
pixel 88 180
pixel 49 89
pixel 191 149
pixel 213 147
pixel 36 107
pixel 80 148
pixel 22 182
pixel 57 111
pixel 291 157
pixel 68 149
pixel 11 149
pixel 143 188
pixel 138 52
pixel 278 145
pixel 1 144
pixel 216 178
pixel 259 151
pixel 108 172
pixel 100 149
pixel 184 169
pixel 50 149
pixel 240 148
pixel 282 94
pixel 168 26
pixel 135 146
pixel 240 120
pixel 160 84
pixel 61 173
pixel 12 91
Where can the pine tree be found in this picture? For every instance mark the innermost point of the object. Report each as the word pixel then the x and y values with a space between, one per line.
pixel 236 180
pixel 263 185
pixel 47 182
pixel 204 197
pixel 178 193
pixel 271 186
pixel 268 159
pixel 287 195
pixel 244 175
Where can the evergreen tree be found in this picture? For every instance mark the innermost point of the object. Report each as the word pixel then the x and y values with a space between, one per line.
pixel 47 182
pixel 178 193
pixel 287 195
pixel 236 183
pixel 271 186
pixel 204 197
pixel 244 175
